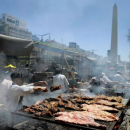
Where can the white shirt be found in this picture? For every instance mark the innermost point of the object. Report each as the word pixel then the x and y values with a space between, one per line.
pixel 106 79
pixel 4 86
pixel 118 77
pixel 60 79
pixel 13 95
pixel 39 68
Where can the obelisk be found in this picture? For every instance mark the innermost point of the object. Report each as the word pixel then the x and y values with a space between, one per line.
pixel 114 37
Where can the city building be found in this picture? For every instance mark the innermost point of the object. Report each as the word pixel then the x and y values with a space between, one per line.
pixel 35 38
pixel 14 27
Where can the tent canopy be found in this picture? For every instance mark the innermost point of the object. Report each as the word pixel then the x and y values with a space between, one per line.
pixel 15 46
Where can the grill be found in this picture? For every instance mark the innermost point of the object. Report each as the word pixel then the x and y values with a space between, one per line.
pixel 110 125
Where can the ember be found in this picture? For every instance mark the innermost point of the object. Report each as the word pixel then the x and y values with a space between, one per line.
pixel 116 127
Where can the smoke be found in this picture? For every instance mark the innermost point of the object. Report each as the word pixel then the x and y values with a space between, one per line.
pixel 31 99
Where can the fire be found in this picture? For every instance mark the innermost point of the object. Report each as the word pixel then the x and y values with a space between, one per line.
pixel 117 126
pixel 74 87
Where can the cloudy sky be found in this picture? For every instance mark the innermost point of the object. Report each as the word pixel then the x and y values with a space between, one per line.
pixel 86 22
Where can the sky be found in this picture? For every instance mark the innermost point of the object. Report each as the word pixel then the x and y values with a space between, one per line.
pixel 86 22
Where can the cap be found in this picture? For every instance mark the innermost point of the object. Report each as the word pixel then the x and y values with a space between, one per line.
pixel 16 75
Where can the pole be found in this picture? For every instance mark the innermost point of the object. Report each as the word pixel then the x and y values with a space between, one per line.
pixel 70 71
pixel 62 57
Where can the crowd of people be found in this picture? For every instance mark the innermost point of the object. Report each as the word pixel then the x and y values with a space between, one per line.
pixel 103 83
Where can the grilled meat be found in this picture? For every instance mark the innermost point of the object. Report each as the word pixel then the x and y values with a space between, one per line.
pixel 61 104
pixel 96 107
pixel 29 110
pixel 54 104
pixel 90 102
pixel 59 96
pixel 39 108
pixel 75 96
pixel 54 88
pixel 86 98
pixel 65 100
pixel 38 103
pixel 54 99
pixel 113 98
pixel 61 110
pixel 73 101
pixel 104 116
pixel 48 112
pixel 108 103
pixel 72 106
pixel 79 101
pixel 38 113
pixel 45 101
pixel 47 105
pixel 78 118
pixel 54 109
pixel 24 106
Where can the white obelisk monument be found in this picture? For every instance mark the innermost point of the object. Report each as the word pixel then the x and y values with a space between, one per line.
pixel 114 37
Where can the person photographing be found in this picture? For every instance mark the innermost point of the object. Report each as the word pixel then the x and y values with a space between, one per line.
pixel 17 89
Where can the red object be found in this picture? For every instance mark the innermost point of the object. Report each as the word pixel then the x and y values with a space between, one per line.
pixel 116 127
pixel 74 87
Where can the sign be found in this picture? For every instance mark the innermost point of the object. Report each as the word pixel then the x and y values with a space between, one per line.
pixel 14 21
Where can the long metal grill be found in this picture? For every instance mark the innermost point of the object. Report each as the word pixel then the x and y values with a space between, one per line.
pixel 110 125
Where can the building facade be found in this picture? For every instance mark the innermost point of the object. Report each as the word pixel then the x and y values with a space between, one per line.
pixel 35 38
pixel 14 27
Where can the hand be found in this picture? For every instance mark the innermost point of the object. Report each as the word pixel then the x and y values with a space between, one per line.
pixel 44 89
pixel 43 83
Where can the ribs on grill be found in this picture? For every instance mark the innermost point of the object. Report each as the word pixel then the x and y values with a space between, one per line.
pixel 77 118
pixel 112 98
pixel 98 107
pixel 103 116
pixel 108 103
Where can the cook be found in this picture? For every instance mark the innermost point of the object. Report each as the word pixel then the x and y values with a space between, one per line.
pixel 17 89
pixel 118 77
pixel 38 66
pixel 60 79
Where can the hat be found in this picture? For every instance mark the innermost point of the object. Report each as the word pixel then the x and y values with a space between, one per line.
pixel 16 75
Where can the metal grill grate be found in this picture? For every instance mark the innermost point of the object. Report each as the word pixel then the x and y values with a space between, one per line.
pixel 110 125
